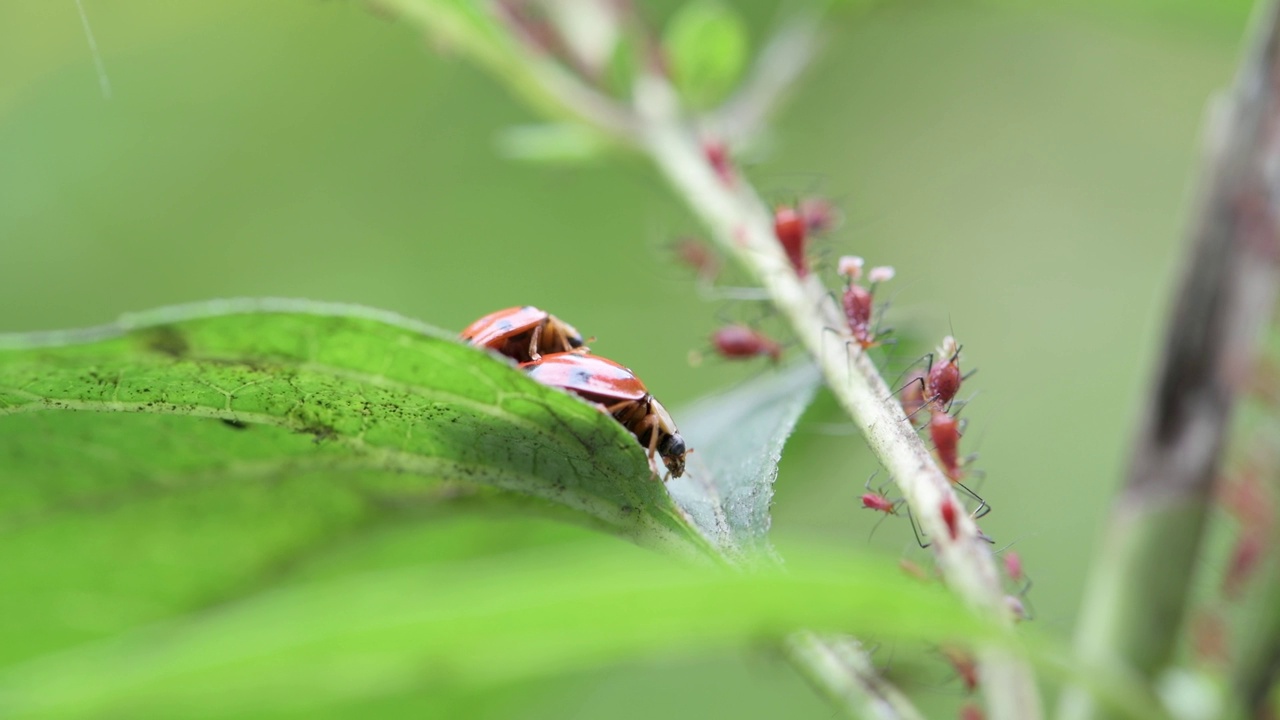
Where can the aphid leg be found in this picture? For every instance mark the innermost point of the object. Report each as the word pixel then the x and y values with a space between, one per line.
pixel 842 337
pixel 983 506
pixel 916 529
pixel 883 517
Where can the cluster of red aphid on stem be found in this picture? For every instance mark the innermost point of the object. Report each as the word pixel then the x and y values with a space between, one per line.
pixel 960 658
pixel 1248 499
pixel 793 226
pixel 933 390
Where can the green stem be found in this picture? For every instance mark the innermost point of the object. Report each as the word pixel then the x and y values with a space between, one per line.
pixel 1138 592
pixel 1256 664
pixel 840 669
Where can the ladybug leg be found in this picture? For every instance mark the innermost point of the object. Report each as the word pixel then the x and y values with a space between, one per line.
pixel 615 408
pixel 651 422
pixel 533 344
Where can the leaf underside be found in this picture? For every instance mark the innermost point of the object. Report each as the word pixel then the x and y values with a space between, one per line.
pixel 740 435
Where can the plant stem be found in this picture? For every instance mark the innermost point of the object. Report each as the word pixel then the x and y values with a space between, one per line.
pixel 839 668
pixel 1256 665
pixel 743 226
pixel 1138 592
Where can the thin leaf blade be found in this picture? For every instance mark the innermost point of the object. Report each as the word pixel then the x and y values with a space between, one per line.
pixel 738 437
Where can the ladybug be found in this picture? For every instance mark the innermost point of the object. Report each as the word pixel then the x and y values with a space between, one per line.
pixel 519 332
pixel 618 392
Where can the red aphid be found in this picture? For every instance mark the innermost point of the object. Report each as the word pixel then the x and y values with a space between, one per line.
pixel 951 517
pixel 1017 607
pixel 944 430
pixel 879 503
pixel 698 256
pixel 857 304
pixel 964 664
pixel 737 342
pixel 1248 499
pixel 1209 638
pixel 717 154
pixel 791 230
pixel 913 570
pixel 819 215
pixel 1013 566
pixel 912 396
pixel 969 711
pixel 1244 562
pixel 944 377
pixel 858 301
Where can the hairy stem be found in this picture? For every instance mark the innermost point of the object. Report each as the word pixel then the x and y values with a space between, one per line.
pixel 839 668
pixel 743 226
pixel 1138 592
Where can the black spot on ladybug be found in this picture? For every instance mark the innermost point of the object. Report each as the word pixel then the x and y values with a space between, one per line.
pixel 581 378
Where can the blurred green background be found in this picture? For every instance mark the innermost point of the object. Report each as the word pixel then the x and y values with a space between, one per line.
pixel 1025 167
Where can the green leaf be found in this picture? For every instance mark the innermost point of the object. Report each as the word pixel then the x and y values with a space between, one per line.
pixel 467 625
pixel 706 44
pixel 180 456
pixel 738 439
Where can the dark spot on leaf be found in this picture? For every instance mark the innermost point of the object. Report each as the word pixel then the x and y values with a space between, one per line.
pixel 237 424
pixel 166 340
pixel 320 431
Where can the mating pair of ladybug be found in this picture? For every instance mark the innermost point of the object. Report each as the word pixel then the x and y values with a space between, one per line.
pixel 520 332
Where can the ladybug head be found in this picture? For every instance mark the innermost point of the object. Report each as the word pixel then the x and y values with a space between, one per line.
pixel 672 449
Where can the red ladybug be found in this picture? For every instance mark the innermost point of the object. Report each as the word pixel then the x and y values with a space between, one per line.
pixel 520 332
pixel 621 394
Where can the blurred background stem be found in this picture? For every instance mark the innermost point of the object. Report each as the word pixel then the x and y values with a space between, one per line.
pixel 1148 555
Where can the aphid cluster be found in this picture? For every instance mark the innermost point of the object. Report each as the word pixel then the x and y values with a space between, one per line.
pixel 935 390
pixel 1249 499
pixel 520 333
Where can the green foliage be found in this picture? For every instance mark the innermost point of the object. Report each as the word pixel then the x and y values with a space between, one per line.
pixel 153 465
pixel 466 625
pixel 284 385
pixel 707 47
pixel 213 507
